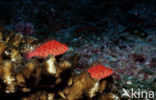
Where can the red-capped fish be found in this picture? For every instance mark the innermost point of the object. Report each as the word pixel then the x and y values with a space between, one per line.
pixel 52 47
pixel 100 72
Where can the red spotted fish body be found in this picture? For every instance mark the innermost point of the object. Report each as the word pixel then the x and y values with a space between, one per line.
pixel 51 47
pixel 99 72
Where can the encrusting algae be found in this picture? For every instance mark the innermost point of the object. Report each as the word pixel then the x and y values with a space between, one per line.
pixel 46 77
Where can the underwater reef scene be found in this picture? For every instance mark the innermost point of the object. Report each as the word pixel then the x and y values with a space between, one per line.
pixel 78 49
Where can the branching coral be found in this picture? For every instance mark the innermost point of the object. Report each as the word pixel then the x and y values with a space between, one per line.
pixel 8 76
pixel 2 48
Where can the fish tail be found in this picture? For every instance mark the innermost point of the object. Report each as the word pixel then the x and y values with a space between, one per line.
pixel 28 55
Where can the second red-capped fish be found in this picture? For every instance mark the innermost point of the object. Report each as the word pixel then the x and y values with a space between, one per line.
pixel 52 47
pixel 100 72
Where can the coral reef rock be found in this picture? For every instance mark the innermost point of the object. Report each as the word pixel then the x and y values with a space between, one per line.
pixel 47 78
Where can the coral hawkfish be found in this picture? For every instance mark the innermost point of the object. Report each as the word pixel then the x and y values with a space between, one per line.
pixel 52 47
pixel 100 72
